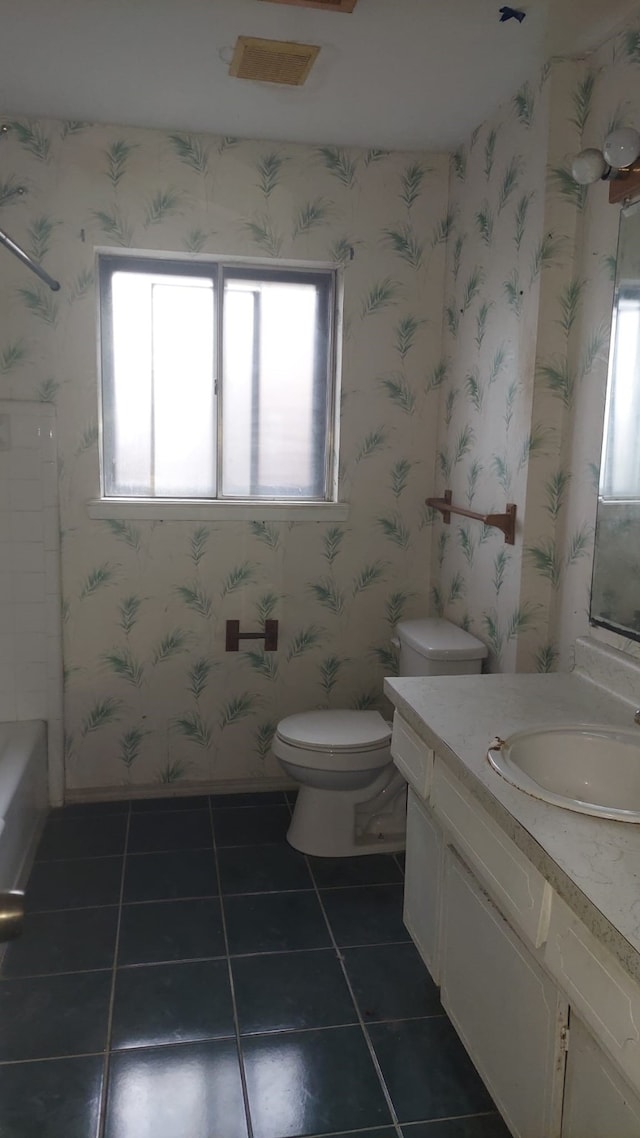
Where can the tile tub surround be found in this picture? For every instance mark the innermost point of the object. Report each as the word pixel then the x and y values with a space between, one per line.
pixel 24 798
pixel 214 987
pixel 30 616
pixel 594 864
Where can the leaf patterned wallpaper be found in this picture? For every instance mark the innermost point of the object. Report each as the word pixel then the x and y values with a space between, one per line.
pixel 151 694
pixel 486 376
pixel 612 87
pixel 528 294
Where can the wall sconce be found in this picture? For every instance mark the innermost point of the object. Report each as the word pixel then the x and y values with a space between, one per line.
pixel 622 148
pixel 616 162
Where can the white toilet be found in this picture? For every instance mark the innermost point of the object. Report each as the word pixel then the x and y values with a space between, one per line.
pixel 351 798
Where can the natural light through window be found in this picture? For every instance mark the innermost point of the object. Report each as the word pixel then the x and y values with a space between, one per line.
pixel 269 411
pixel 621 458
pixel 163 392
pixel 217 381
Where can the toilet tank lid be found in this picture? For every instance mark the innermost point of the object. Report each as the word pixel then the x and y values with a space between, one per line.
pixel 335 730
pixel 439 639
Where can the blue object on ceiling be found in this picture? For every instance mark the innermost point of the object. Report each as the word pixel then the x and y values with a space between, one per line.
pixel 511 14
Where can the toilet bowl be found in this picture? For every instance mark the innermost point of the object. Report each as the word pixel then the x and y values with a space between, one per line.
pixel 351 799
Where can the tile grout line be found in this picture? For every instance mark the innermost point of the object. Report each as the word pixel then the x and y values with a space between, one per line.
pixel 369 1045
pixel 209 896
pixel 132 853
pixel 202 959
pixel 236 1022
pixel 52 1058
pixel 408 1125
pixel 114 904
pixel 374 1058
pixel 172 850
pixel 208 1039
pixel 74 860
pixel 102 1115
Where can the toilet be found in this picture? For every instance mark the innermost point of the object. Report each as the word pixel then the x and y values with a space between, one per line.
pixel 351 799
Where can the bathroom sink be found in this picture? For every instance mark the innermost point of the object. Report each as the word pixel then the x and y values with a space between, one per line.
pixel 591 769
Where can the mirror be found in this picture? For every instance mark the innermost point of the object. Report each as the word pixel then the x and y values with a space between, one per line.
pixel 615 591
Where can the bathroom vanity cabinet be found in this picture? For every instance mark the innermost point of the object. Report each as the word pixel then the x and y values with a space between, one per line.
pixel 597 1101
pixel 423 882
pixel 548 1015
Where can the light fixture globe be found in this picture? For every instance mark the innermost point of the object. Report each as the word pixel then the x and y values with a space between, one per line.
pixel 622 147
pixel 588 166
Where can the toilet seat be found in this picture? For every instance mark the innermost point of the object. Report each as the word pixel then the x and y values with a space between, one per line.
pixel 334 741
pixel 335 732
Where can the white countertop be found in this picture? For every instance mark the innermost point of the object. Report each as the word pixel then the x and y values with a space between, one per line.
pixel 593 863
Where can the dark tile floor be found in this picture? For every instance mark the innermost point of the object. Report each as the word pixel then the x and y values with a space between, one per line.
pixel 184 973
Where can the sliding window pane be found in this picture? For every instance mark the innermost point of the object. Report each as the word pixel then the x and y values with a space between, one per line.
pixel 127 399
pixel 275 376
pixel 159 409
pixel 183 389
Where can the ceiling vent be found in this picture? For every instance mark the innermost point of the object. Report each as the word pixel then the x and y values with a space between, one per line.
pixel 328 5
pixel 272 61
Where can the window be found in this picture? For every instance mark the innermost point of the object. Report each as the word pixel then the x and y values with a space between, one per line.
pixel 218 380
pixel 620 475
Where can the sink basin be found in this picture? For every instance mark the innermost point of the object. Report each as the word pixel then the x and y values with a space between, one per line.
pixel 591 769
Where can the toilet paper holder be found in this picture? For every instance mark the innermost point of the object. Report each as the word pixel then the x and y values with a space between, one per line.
pixel 269 634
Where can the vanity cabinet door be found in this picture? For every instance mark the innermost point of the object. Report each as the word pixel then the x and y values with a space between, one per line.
pixel 598 1103
pixel 507 1011
pixel 423 877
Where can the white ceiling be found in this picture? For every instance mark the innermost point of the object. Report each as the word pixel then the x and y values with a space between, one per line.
pixel 416 74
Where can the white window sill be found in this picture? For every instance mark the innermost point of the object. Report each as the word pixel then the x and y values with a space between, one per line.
pixel 194 509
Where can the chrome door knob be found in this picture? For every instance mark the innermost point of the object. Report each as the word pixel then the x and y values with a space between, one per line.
pixel 11 914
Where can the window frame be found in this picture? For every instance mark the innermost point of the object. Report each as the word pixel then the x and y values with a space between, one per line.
pixel 326 276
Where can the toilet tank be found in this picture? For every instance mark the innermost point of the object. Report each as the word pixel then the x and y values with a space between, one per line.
pixel 436 647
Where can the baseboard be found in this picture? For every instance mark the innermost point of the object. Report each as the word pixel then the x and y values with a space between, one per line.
pixel 184 789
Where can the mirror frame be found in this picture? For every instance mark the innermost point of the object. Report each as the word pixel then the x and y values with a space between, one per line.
pixel 623 191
